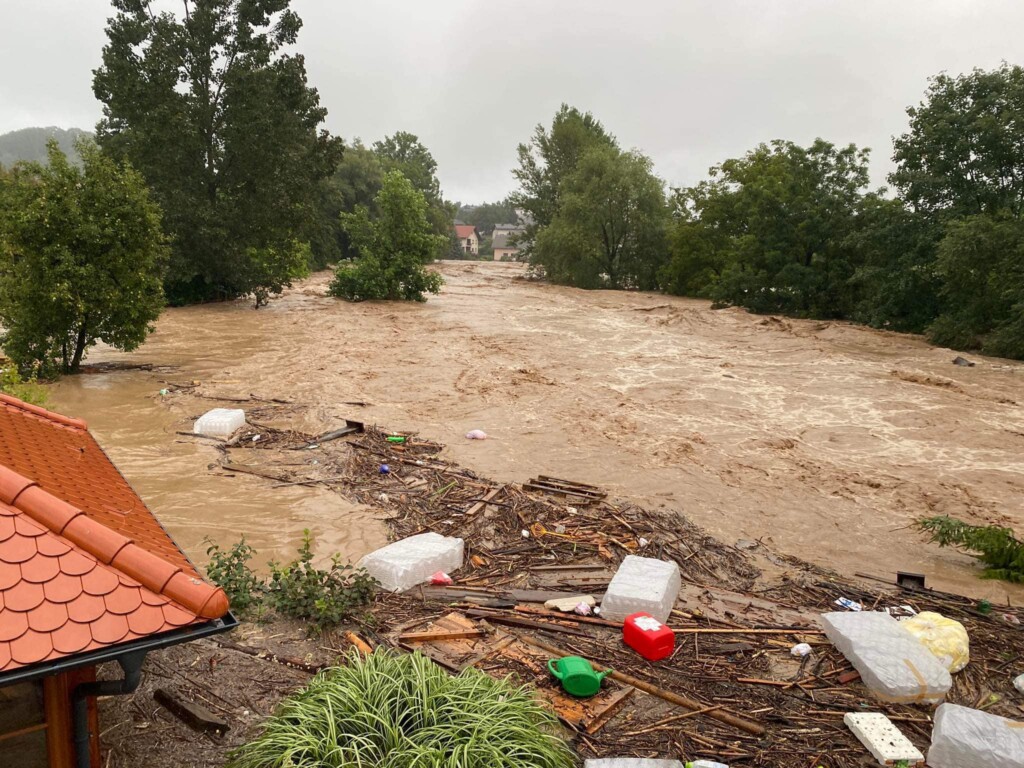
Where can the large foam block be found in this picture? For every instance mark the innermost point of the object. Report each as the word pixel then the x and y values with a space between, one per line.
pixel 642 584
pixel 967 738
pixel 411 561
pixel 894 664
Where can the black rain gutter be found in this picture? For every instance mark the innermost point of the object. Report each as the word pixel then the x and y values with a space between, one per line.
pixel 131 663
pixel 130 656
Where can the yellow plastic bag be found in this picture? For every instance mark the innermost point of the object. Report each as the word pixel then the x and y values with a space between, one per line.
pixel 945 638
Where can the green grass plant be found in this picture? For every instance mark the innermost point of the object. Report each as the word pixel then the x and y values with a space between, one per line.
pixel 402 711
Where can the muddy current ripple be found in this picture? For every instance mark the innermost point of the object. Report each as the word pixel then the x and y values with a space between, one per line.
pixel 821 439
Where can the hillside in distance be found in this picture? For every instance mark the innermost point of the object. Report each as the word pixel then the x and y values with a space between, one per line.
pixel 29 144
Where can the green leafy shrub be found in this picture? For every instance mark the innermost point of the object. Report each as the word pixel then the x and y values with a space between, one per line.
pixel 403 711
pixel 326 597
pixel 14 384
pixel 229 569
pixel 298 590
pixel 1000 551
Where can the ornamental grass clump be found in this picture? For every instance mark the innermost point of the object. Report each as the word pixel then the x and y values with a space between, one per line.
pixel 402 711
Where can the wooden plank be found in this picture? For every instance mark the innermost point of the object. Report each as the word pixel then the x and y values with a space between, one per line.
pixel 442 634
pixel 497 618
pixel 609 710
pixel 483 502
pixel 196 717
pixel 245 469
pixel 531 486
pixel 570 484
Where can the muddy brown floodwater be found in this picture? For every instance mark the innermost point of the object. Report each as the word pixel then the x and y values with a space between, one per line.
pixel 822 439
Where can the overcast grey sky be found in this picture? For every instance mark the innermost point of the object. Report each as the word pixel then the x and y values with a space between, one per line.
pixel 689 83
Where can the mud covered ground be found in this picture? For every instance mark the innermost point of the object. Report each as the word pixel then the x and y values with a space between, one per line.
pixel 823 439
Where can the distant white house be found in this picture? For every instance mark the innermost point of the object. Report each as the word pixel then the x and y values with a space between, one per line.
pixel 503 234
pixel 469 238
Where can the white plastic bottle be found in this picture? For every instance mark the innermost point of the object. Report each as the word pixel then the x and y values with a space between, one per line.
pixel 706 764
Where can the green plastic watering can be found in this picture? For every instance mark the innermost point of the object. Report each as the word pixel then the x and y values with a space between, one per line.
pixel 577 676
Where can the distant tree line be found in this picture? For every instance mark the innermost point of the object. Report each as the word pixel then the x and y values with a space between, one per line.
pixel 210 177
pixel 795 230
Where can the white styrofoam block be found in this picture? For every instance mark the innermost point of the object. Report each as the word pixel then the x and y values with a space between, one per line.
pixel 893 663
pixel 630 762
pixel 642 584
pixel 406 563
pixel 220 422
pixel 968 738
pixel 883 739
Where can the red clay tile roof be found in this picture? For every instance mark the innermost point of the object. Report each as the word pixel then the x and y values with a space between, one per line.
pixel 83 563
pixel 464 230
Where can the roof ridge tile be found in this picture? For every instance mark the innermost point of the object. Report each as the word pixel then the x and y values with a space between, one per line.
pixel 61 419
pixel 111 548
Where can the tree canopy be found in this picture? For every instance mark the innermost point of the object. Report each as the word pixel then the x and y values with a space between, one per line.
pixel 220 121
pixel 393 247
pixel 81 257
pixel 964 152
pixel 546 160
pixel 609 229
pixel 770 231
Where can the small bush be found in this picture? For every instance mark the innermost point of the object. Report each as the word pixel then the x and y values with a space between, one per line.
pixel 1000 551
pixel 325 597
pixel 229 570
pixel 403 711
pixel 298 590
pixel 14 384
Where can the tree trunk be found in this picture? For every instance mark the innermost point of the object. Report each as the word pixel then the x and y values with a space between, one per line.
pixel 76 361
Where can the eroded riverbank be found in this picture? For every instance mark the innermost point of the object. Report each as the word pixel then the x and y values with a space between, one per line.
pixel 823 439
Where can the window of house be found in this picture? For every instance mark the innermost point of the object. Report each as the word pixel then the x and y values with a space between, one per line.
pixel 23 725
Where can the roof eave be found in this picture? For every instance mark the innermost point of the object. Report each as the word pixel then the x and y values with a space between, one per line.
pixel 101 655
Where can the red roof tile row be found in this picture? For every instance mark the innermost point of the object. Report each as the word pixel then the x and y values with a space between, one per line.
pixel 69 583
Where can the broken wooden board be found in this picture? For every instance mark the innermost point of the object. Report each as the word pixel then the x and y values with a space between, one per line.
pixel 195 716
pixel 460 643
pixel 568 488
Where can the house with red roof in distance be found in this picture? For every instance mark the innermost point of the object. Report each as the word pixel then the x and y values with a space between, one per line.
pixel 87 576
pixel 469 239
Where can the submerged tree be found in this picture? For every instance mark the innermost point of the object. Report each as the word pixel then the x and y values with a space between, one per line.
pixel 547 160
pixel 609 231
pixel 406 153
pixel 81 257
pixel 394 247
pixel 224 128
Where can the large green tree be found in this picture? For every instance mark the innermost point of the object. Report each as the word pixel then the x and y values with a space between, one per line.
pixel 546 160
pixel 222 124
pixel 81 257
pixel 394 246
pixel 770 231
pixel 964 152
pixel 609 231
pixel 404 152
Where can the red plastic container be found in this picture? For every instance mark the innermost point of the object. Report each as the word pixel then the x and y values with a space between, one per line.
pixel 648 636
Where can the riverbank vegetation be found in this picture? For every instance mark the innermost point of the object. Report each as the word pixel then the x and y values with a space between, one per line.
pixel 795 230
pixel 81 257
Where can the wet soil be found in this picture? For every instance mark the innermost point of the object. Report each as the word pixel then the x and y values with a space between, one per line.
pixel 823 439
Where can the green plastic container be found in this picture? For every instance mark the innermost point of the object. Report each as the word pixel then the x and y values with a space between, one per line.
pixel 396 439
pixel 577 676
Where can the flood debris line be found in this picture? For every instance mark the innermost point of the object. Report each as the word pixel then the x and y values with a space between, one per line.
pixel 730 690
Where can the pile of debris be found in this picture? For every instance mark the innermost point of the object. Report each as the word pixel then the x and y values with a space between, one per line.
pixel 751 679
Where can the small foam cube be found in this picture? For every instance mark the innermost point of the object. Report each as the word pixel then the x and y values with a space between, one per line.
pixel 220 422
pixel 406 563
pixel 642 584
